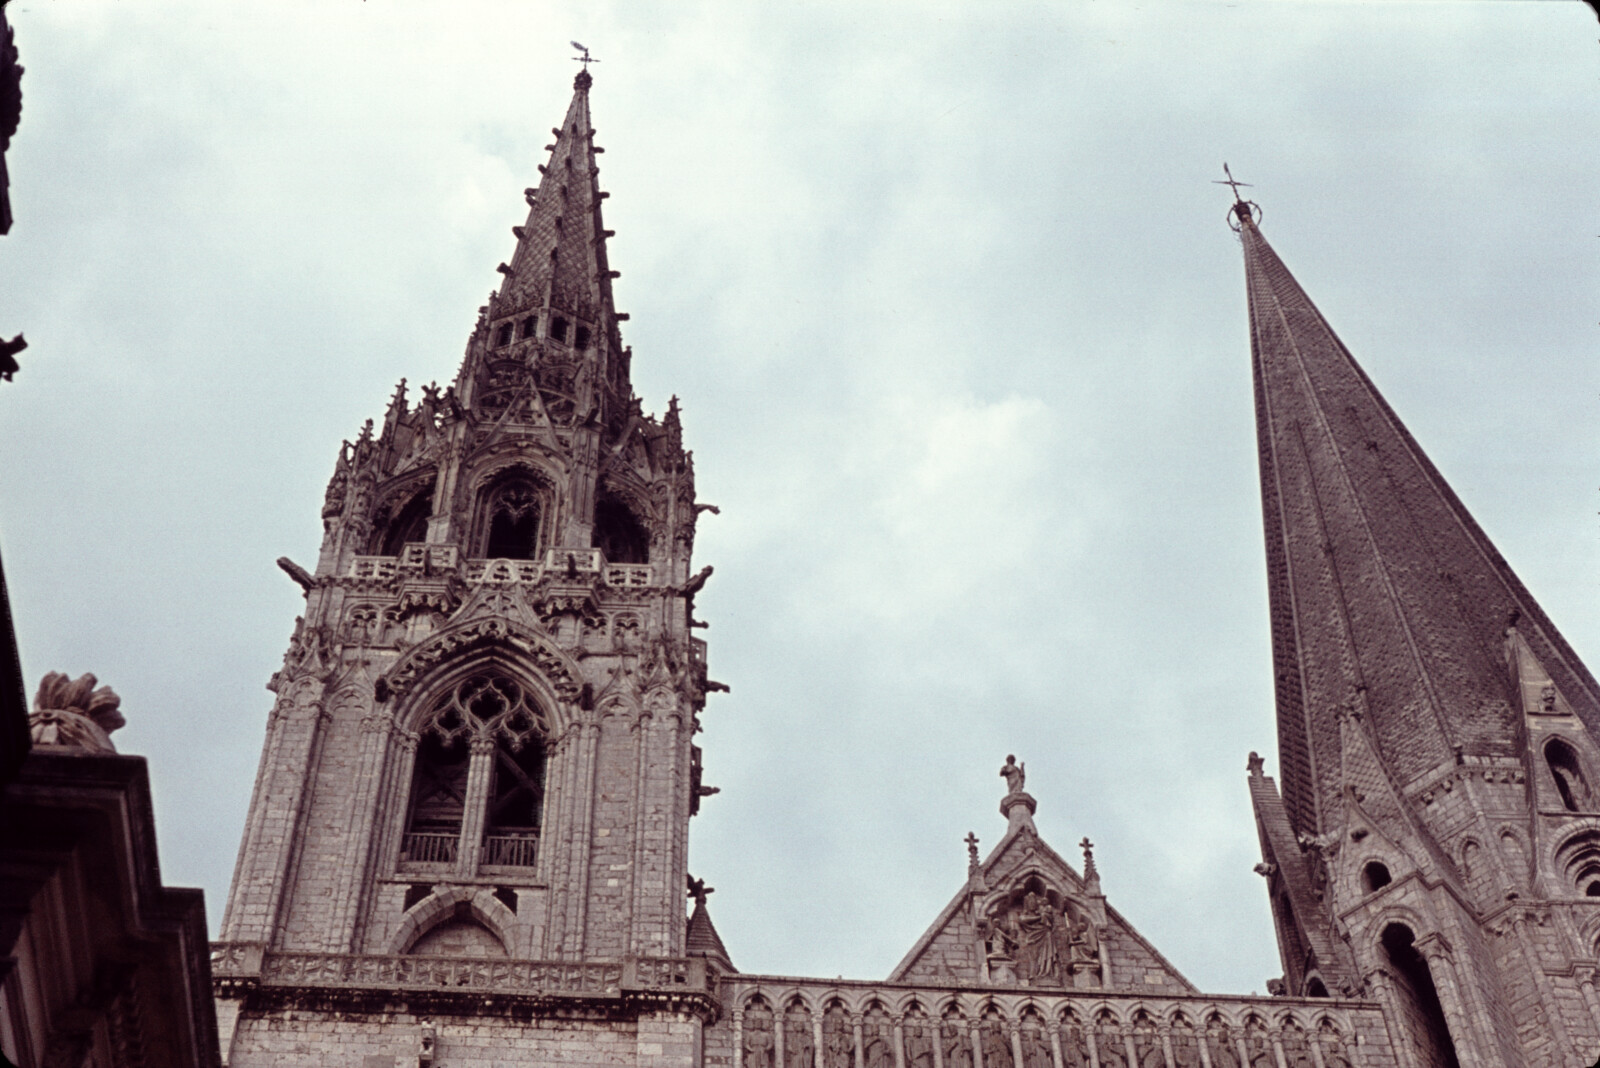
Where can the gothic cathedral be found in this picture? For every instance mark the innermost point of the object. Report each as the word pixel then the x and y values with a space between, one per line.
pixel 467 840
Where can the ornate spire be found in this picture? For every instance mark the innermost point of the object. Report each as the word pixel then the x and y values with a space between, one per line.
pixel 1380 582
pixel 554 308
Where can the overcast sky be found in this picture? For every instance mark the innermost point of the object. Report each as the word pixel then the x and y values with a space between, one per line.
pixel 959 332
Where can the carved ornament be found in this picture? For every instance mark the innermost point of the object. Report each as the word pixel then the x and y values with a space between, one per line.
pixel 457 640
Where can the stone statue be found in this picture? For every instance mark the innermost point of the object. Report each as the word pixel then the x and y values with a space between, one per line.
pixel 1035 1049
pixel 918 1044
pixel 758 1044
pixel 799 1049
pixel 996 1047
pixel 1037 924
pixel 72 713
pixel 838 1045
pixel 957 1046
pixel 1014 774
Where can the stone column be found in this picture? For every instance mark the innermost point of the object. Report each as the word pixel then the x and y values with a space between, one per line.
pixel 1092 1041
pixel 855 1033
pixel 1166 1047
pixel 1586 979
pixel 1016 1044
pixel 1277 1050
pixel 365 817
pixel 1055 1045
pixel 938 1041
pixel 817 1047
pixel 1203 1040
pixel 738 1038
pixel 1455 1014
pixel 582 831
pixel 899 1043
pixel 975 1033
pixel 780 1024
pixel 480 772
pixel 1130 1047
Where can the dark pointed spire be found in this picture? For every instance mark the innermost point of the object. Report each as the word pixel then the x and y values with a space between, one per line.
pixel 555 291
pixel 1380 582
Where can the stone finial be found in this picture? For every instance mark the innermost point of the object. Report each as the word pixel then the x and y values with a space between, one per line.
pixel 72 713
pixel 1091 874
pixel 972 853
pixel 1254 764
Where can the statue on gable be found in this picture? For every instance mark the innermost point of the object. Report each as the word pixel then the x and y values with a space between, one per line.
pixel 1014 774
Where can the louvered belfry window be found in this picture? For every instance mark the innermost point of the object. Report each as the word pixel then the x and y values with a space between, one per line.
pixel 478 787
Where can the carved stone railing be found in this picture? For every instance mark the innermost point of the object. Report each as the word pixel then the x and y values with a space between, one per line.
pixel 429 848
pixel 511 850
pixel 378 568
pixel 435 557
pixel 232 962
pixel 628 576
pixel 555 564
pixel 521 571
pixel 455 973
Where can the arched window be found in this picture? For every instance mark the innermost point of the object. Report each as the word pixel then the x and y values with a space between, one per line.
pixel 1423 1015
pixel 511 520
pixel 1568 772
pixel 477 792
pixel 409 524
pixel 1375 876
pixel 618 534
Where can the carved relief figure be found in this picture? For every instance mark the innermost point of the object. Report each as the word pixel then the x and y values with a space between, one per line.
pixel 995 1042
pixel 1147 1044
pixel 1108 1044
pixel 1257 1047
pixel 955 1043
pixel 1185 1046
pixel 1032 940
pixel 877 1040
pixel 1296 1051
pixel 1219 1043
pixel 1035 1046
pixel 757 1036
pixel 838 1046
pixel 799 1048
pixel 1074 1050
pixel 1333 1052
pixel 918 1036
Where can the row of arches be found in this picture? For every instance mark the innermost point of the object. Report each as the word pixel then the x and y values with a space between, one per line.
pixel 832 1036
pixel 512 521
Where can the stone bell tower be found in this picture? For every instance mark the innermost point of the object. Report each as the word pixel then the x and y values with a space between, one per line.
pixel 1436 842
pixel 471 816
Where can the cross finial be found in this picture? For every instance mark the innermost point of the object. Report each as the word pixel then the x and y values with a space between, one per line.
pixel 972 852
pixel 585 59
pixel 1231 183
pixel 698 890
pixel 1089 871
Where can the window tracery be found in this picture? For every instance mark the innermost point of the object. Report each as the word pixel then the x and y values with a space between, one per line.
pixel 477 790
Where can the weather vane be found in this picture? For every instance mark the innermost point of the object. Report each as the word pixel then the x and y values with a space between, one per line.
pixel 585 59
pixel 1242 208
pixel 1229 181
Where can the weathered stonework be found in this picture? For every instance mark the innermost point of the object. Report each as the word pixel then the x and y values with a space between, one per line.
pixel 468 836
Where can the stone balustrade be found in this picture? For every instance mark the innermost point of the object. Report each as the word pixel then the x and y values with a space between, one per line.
pixel 556 564
pixel 346 971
